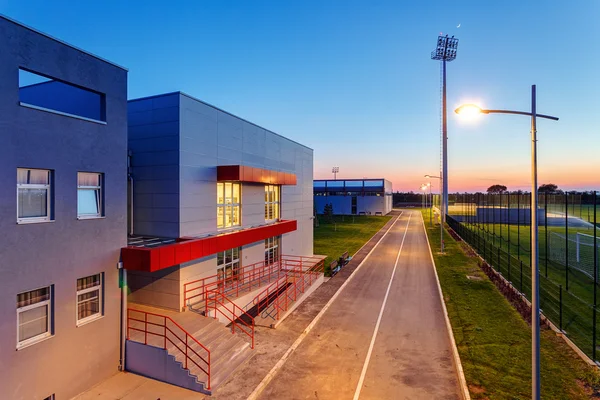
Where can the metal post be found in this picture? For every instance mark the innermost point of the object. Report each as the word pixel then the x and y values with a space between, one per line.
pixel 535 305
pixel 595 277
pixel 444 146
pixel 519 226
pixel 567 241
pixel 560 307
pixel 546 231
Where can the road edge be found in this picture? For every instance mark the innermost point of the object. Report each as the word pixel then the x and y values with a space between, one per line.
pixel 457 363
pixel 273 372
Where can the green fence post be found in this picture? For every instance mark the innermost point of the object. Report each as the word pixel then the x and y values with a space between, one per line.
pixel 560 307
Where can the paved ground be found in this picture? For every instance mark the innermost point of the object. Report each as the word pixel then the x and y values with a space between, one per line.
pixel 411 355
pixel 410 359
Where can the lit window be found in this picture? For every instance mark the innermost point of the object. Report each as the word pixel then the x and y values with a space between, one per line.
pixel 272 193
pixel 228 264
pixel 33 195
pixel 34 317
pixel 228 204
pixel 89 298
pixel 271 250
pixel 89 195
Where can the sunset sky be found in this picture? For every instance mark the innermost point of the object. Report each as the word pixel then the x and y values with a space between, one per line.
pixel 354 79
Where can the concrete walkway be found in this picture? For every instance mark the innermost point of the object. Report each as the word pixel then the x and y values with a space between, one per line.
pixel 408 356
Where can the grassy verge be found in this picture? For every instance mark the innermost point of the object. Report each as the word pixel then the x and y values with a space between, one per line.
pixel 344 233
pixel 493 340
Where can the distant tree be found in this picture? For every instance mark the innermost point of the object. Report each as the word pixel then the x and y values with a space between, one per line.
pixel 549 188
pixel 496 189
pixel 328 212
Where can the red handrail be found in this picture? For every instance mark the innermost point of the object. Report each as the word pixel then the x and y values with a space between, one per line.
pixel 244 279
pixel 180 342
pixel 298 278
pixel 219 299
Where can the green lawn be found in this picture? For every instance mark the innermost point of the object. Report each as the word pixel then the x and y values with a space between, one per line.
pixel 493 340
pixel 346 233
pixel 571 310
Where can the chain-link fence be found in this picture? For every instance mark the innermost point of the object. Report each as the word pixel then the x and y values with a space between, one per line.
pixel 498 226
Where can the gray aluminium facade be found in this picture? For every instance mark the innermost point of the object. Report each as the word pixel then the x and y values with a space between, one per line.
pixel 63 207
pixel 177 143
pixel 354 196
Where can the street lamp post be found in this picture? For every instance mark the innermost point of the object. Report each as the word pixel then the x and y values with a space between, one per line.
pixel 535 283
pixel 441 220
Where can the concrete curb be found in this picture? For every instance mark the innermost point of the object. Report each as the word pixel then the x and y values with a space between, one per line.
pixel 273 372
pixel 459 369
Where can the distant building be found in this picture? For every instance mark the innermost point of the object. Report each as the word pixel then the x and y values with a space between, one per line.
pixel 354 196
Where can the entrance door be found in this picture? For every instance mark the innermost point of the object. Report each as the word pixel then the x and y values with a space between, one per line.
pixel 353 205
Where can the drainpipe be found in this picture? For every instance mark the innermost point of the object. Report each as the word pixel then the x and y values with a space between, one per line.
pixel 123 325
pixel 130 178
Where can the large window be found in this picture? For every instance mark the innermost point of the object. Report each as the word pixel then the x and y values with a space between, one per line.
pixel 89 195
pixel 33 195
pixel 89 298
pixel 271 250
pixel 34 316
pixel 228 264
pixel 272 196
pixel 228 204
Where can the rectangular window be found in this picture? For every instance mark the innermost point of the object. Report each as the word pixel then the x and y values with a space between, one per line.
pixel 89 298
pixel 33 195
pixel 272 202
pixel 228 204
pixel 272 250
pixel 34 316
pixel 228 264
pixel 52 95
pixel 89 195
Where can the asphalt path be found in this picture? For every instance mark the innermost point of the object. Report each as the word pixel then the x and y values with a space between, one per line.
pixel 383 337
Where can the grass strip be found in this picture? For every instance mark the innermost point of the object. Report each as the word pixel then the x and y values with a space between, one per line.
pixel 494 342
pixel 345 233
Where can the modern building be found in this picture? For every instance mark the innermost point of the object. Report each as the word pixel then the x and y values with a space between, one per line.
pixel 63 207
pixel 353 196
pixel 133 224
pixel 222 215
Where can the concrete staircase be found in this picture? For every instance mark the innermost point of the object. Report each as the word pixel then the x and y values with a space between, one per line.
pixel 227 350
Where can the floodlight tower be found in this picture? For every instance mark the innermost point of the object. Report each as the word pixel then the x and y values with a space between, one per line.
pixel 335 170
pixel 445 51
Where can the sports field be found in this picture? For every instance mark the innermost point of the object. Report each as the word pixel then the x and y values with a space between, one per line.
pixel 566 295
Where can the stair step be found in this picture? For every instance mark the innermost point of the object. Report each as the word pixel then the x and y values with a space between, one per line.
pixel 227 370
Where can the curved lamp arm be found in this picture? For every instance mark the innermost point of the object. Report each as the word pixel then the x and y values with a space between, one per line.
pixel 518 113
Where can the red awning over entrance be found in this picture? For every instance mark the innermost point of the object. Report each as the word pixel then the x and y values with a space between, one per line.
pixel 243 173
pixel 188 249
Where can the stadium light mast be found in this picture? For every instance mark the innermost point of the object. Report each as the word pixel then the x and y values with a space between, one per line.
pixel 470 109
pixel 444 52
pixel 335 171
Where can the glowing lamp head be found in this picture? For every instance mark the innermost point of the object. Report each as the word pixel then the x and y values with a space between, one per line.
pixel 468 110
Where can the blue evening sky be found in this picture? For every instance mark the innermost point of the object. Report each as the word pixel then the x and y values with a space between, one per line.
pixel 354 79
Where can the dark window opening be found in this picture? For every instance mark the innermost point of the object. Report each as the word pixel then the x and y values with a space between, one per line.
pixel 51 94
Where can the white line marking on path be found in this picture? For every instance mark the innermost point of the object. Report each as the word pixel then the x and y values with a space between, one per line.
pixel 269 377
pixel 459 369
pixel 376 330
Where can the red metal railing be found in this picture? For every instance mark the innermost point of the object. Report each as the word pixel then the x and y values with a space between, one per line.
pixel 217 301
pixel 301 272
pixel 245 279
pixel 158 334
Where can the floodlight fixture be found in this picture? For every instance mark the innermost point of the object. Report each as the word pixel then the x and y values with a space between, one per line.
pixel 335 171
pixel 446 49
